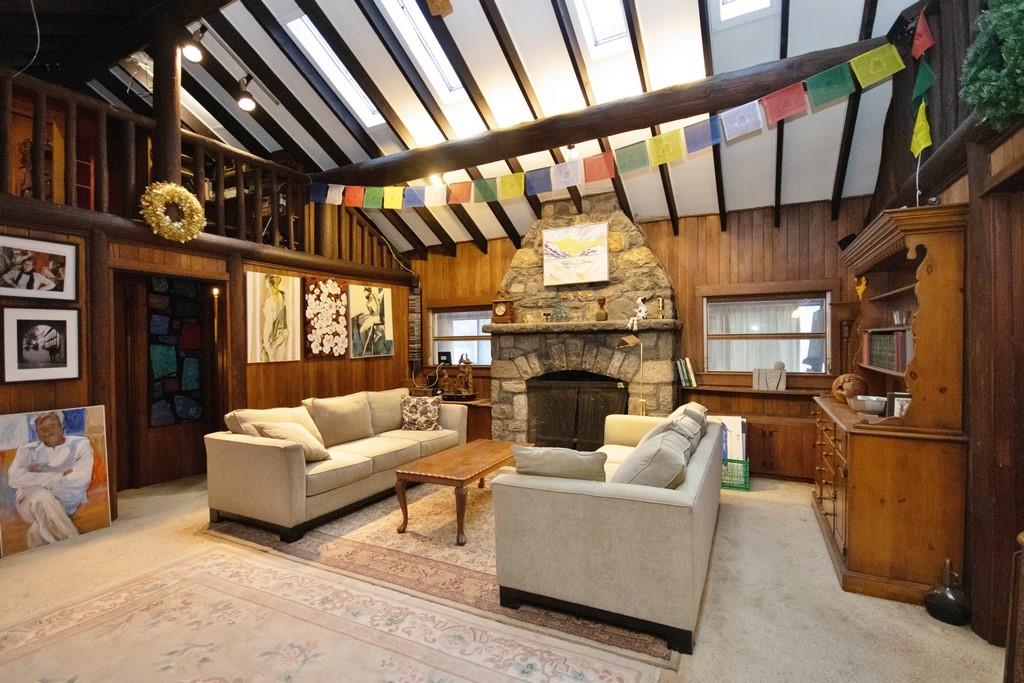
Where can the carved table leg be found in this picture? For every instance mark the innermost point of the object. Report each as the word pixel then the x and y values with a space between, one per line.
pixel 400 492
pixel 460 514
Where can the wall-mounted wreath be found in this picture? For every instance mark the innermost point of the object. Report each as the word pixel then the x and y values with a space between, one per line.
pixel 326 317
pixel 993 78
pixel 172 212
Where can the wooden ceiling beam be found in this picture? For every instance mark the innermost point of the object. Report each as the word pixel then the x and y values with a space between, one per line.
pixel 716 150
pixel 579 67
pixel 254 63
pixel 867 24
pixel 476 95
pixel 218 111
pixel 418 248
pixel 780 128
pixel 404 62
pixel 126 92
pixel 715 93
pixel 640 56
pixel 515 65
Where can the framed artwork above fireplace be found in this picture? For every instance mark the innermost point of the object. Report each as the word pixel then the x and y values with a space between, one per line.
pixel 576 254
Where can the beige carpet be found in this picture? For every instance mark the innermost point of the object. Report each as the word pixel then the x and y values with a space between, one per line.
pixel 773 610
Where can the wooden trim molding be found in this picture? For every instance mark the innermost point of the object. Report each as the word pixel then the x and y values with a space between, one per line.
pixel 762 288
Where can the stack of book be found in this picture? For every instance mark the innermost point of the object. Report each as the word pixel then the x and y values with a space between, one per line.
pixel 890 349
pixel 686 376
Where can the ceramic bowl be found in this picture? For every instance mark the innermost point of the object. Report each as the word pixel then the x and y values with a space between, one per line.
pixel 873 405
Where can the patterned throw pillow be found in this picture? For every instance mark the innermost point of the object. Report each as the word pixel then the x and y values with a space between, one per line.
pixel 421 413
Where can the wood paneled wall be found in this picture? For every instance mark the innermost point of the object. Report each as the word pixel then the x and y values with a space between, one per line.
pixel 287 384
pixel 470 278
pixel 66 393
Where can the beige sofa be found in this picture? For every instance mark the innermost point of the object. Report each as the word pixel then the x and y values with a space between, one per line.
pixel 623 553
pixel 268 481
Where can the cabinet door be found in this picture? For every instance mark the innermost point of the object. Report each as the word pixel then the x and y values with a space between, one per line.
pixel 759 448
pixel 840 501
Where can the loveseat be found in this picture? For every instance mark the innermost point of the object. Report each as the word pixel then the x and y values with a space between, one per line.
pixel 622 553
pixel 269 481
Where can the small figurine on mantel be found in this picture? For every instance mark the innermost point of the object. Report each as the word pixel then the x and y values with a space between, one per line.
pixel 559 315
pixel 460 387
pixel 601 314
pixel 639 313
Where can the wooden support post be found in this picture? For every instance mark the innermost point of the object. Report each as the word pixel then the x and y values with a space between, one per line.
pixel 220 193
pixel 199 173
pixel 243 233
pixel 257 202
pixel 71 153
pixel 166 105
pixel 102 167
pixel 6 102
pixel 236 354
pixel 130 184
pixel 38 150
pixel 275 209
pixel 289 204
pixel 101 352
pixel 320 215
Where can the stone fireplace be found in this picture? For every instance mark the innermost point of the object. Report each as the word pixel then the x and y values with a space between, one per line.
pixel 533 346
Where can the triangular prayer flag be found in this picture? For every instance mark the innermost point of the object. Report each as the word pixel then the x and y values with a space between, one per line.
pixel 742 120
pixel 354 195
pixel 781 104
pixel 632 157
pixel 599 167
pixel 538 180
pixel 830 85
pixel 485 190
pixel 923 38
pixel 414 196
pixel 393 196
pixel 666 148
pixel 703 134
pixel 373 198
pixel 922 138
pixel 566 174
pixel 924 80
pixel 877 65
pixel 318 193
pixel 460 193
pixel 435 195
pixel 335 193
pixel 511 186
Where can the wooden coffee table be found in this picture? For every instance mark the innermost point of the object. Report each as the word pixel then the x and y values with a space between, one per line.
pixel 457 467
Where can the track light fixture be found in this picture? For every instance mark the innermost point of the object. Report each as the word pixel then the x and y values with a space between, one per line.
pixel 192 49
pixel 246 102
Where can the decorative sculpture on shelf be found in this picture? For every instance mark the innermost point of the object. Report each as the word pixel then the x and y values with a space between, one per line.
pixel 771 379
pixel 639 313
pixel 848 385
pixel 459 387
pixel 559 314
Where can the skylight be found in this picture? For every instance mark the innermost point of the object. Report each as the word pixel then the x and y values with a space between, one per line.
pixel 413 27
pixel 323 56
pixel 731 9
pixel 603 21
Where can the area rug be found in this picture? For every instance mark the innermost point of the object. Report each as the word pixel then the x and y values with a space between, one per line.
pixel 231 615
pixel 426 562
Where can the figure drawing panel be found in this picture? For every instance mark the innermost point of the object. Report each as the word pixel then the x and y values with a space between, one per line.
pixel 371 322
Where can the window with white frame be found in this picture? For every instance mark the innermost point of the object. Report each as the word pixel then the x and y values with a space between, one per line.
pixel 728 12
pixel 422 43
pixel 461 332
pixel 603 26
pixel 744 333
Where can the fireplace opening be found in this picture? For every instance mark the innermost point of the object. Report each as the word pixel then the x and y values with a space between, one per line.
pixel 568 408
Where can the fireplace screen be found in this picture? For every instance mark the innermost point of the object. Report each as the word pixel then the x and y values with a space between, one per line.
pixel 568 408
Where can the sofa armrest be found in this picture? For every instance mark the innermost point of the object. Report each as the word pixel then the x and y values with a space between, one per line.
pixel 454 416
pixel 627 547
pixel 255 477
pixel 627 430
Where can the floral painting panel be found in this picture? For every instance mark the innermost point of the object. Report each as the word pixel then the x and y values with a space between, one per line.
pixel 576 254
pixel 326 317
pixel 273 317
pixel 372 322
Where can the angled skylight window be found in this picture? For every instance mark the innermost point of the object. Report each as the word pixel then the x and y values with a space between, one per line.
pixel 602 21
pixel 412 25
pixel 316 48
pixel 734 9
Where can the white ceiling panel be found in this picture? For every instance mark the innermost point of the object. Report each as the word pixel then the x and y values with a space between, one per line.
pixel 390 233
pixel 419 227
pixel 228 102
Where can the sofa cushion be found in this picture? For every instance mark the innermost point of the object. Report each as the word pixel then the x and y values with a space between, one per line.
pixel 692 431
pixel 384 452
pixel 430 441
pixel 342 418
pixel 239 421
pixel 340 469
pixel 659 462
pixel 421 413
pixel 559 462
pixel 616 453
pixel 386 409
pixel 668 424
pixel 312 449
pixel 698 414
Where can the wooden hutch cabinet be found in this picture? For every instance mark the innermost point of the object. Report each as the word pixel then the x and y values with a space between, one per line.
pixel 889 491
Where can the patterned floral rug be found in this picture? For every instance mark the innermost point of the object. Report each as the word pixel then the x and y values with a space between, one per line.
pixel 425 561
pixel 230 615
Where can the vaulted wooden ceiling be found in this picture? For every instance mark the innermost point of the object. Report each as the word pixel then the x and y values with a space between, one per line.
pixel 513 61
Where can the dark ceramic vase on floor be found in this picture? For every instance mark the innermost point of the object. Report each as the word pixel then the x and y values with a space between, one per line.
pixel 947 602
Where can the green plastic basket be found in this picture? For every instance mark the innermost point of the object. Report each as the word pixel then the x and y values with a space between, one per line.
pixel 736 475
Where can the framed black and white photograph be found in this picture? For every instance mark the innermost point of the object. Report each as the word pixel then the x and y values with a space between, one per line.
pixel 37 270
pixel 896 403
pixel 40 344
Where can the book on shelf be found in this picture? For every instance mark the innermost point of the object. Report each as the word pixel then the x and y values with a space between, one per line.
pixel 690 373
pixel 681 370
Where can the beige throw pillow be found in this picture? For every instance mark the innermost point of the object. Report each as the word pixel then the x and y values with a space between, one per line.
pixel 386 409
pixel 659 462
pixel 666 425
pixel 421 413
pixel 689 428
pixel 341 419
pixel 240 421
pixel 559 462
pixel 312 449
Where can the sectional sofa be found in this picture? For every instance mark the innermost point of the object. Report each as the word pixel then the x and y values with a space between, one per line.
pixel 270 482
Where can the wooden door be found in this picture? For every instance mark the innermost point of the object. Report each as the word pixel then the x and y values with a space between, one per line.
pixel 167 379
